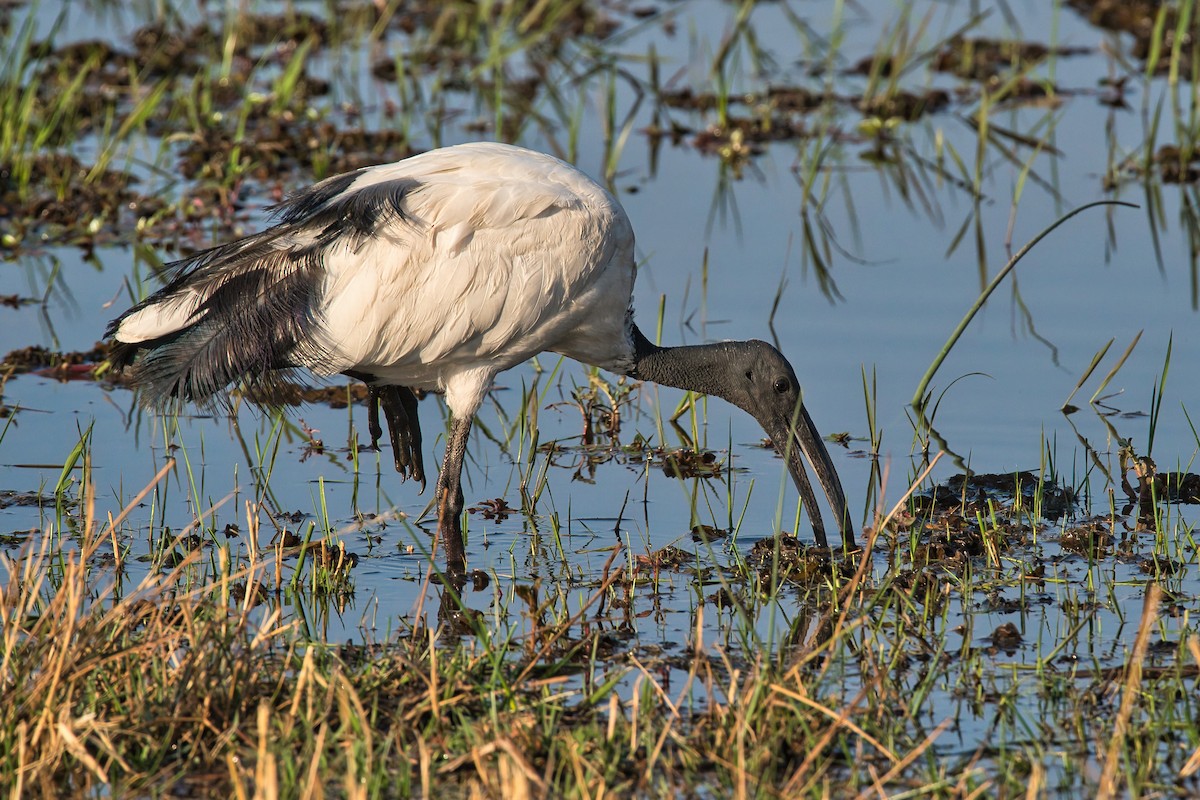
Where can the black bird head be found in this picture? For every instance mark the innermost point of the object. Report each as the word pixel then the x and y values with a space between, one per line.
pixel 766 387
pixel 756 378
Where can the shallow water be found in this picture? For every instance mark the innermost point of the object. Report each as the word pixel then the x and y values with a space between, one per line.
pixel 903 280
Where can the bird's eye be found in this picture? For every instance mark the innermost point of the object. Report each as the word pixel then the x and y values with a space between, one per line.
pixel 782 385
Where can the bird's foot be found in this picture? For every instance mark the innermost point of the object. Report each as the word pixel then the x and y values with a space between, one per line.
pixel 404 427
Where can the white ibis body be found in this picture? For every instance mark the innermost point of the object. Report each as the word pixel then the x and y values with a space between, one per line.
pixel 436 273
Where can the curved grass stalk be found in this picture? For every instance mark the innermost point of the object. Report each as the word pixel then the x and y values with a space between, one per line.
pixel 919 397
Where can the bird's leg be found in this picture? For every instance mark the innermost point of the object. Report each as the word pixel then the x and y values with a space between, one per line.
pixel 450 496
pixel 400 407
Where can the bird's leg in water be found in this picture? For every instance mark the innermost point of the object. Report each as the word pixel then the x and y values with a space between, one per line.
pixel 450 496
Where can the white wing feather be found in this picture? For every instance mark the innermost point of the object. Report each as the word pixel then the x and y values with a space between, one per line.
pixel 435 272
pixel 500 258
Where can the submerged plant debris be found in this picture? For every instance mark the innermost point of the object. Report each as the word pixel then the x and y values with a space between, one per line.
pixel 983 493
pixel 1140 19
pixel 268 123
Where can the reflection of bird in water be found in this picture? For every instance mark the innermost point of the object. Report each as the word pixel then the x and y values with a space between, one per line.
pixel 436 273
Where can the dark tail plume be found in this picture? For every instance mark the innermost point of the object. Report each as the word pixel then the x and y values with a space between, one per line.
pixel 257 318
pixel 261 295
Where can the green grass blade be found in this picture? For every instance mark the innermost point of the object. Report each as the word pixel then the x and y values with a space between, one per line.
pixel 1087 373
pixel 1117 368
pixel 918 396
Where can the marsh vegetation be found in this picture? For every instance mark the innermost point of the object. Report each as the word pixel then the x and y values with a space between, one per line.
pixel 242 602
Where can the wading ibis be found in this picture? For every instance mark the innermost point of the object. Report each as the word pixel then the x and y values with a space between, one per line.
pixel 436 273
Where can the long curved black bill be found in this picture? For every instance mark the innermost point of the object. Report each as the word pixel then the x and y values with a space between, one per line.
pixel 801 437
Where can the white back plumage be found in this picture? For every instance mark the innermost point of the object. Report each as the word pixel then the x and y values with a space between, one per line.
pixel 435 272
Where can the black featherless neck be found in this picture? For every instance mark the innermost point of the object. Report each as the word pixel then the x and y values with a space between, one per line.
pixel 704 368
